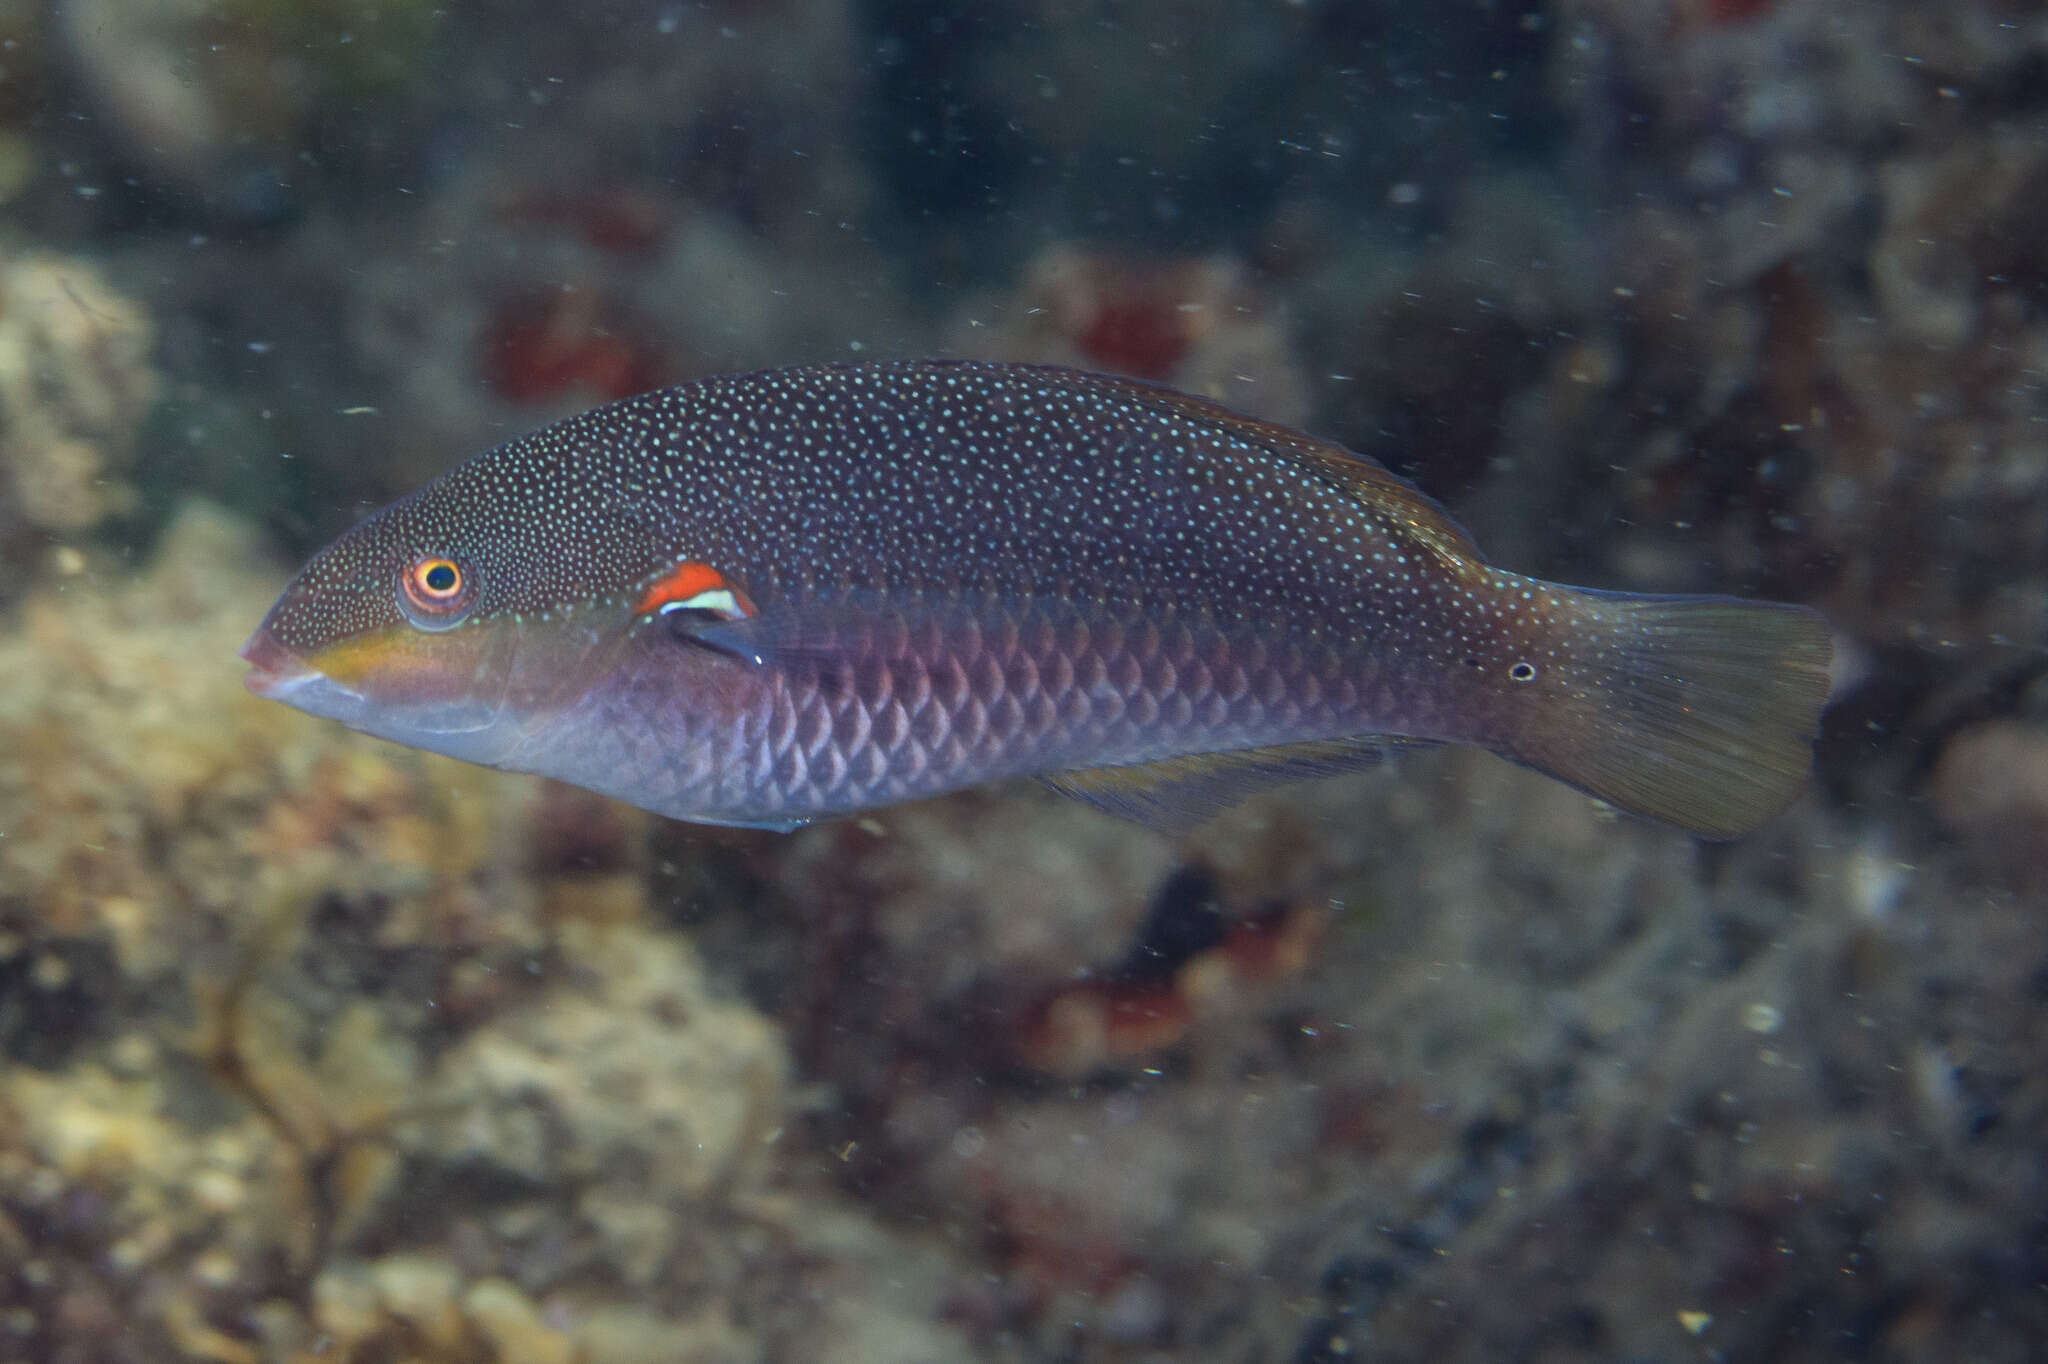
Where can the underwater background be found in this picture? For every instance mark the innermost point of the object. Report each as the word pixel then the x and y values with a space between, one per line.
pixel 317 1049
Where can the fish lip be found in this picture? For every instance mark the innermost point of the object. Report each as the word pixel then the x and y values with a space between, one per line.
pixel 274 671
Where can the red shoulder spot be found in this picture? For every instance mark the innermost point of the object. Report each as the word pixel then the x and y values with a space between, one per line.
pixel 686 580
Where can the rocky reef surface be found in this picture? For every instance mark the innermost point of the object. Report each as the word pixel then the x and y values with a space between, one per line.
pixel 312 1048
pixel 76 380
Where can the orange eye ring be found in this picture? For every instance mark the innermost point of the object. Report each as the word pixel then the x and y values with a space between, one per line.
pixel 435 591
pixel 433 581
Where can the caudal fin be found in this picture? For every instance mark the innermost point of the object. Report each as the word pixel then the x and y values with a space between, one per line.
pixel 1700 711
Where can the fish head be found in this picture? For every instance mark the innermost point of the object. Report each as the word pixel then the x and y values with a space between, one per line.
pixel 434 625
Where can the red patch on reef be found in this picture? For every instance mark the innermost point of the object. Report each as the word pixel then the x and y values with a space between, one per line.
pixel 1135 316
pixel 1090 1026
pixel 1101 1024
pixel 1140 336
pixel 566 341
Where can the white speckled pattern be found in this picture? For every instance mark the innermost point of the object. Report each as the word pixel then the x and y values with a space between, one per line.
pixel 968 570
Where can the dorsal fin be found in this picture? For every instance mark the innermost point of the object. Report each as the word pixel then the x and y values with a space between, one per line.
pixel 1175 795
pixel 1366 480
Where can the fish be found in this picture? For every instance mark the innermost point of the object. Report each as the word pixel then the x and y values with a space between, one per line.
pixel 773 598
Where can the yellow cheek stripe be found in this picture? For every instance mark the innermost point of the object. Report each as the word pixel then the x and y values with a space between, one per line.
pixel 388 654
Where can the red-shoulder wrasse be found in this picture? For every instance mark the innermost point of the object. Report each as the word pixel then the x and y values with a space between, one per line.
pixel 769 599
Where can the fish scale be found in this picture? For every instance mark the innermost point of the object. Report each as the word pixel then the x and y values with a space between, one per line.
pixel 771 598
pixel 1003 699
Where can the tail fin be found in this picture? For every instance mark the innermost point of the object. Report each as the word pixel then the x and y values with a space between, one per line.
pixel 1700 711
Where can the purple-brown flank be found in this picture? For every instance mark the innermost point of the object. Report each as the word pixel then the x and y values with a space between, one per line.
pixel 773 598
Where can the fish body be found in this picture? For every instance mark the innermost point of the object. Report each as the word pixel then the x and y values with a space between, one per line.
pixel 767 599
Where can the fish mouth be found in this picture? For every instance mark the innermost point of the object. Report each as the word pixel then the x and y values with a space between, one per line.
pixel 462 727
pixel 275 672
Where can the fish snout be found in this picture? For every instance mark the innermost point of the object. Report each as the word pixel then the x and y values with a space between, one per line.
pixel 274 670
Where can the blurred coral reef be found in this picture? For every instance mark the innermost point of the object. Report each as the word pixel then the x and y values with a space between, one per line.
pixel 316 1049
pixel 309 1052
pixel 1196 324
pixel 76 380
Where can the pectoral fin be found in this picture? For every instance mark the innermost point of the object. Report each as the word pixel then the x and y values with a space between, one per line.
pixel 770 640
pixel 822 637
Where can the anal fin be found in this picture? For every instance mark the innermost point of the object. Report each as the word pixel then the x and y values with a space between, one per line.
pixel 1175 795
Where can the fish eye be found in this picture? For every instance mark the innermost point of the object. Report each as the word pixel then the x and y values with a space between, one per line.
pixel 436 592
pixel 438 578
